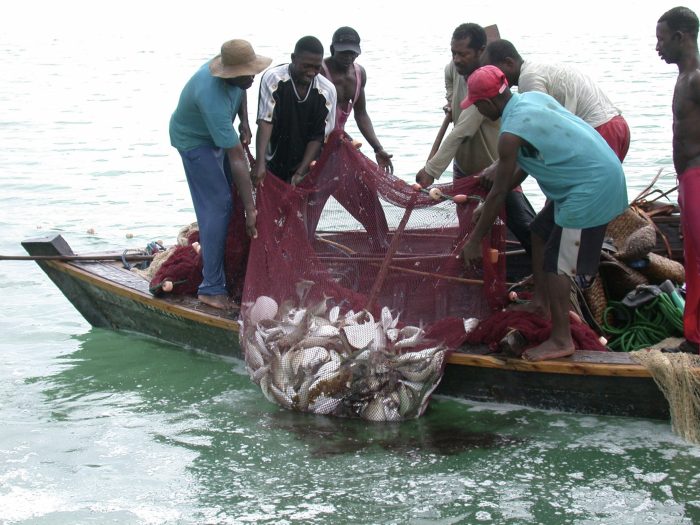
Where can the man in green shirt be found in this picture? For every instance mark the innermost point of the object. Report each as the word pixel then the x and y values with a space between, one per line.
pixel 201 128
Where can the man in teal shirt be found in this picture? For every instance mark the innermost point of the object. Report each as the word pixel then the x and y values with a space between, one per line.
pixel 579 174
pixel 201 128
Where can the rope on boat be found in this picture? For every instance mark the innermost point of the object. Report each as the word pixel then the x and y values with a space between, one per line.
pixel 643 326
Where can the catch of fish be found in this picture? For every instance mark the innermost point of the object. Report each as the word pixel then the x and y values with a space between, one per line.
pixel 319 360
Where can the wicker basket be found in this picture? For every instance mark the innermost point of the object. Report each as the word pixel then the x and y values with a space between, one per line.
pixel 633 235
pixel 661 268
pixel 596 300
pixel 618 278
pixel 184 236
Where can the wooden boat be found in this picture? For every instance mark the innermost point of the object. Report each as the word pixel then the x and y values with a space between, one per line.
pixel 110 296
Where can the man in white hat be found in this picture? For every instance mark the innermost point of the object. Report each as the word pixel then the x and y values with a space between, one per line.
pixel 201 128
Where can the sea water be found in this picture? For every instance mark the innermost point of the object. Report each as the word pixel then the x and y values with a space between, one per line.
pixel 105 427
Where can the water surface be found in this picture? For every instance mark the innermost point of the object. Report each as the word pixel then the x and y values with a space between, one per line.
pixel 104 427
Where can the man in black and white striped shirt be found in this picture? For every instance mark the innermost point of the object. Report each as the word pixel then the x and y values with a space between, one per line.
pixel 296 111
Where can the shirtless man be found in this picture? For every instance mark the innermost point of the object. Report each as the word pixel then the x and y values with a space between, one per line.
pixel 677 43
pixel 349 79
pixel 579 174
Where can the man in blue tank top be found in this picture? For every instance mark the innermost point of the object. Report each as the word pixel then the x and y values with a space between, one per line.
pixel 579 174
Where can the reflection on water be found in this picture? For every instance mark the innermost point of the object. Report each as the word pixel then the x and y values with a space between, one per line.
pixel 328 437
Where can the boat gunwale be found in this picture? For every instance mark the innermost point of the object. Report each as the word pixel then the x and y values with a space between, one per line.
pixel 141 297
pixel 563 366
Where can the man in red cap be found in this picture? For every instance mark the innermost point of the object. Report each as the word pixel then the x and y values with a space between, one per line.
pixel 579 174
pixel 677 43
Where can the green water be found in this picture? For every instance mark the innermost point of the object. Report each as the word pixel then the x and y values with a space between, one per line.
pixel 120 429
pixel 98 427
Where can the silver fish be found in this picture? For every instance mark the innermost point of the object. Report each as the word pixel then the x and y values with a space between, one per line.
pixel 281 396
pixel 324 405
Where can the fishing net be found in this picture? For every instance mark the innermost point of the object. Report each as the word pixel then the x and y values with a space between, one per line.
pixel 678 379
pixel 350 274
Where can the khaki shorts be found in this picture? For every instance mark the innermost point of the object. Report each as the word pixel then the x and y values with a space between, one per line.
pixel 568 251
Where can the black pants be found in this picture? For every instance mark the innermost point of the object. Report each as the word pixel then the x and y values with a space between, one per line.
pixel 519 215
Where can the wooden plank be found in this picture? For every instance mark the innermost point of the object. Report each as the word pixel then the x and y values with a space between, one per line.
pixel 123 283
pixel 585 394
pixel 558 366
pixel 145 298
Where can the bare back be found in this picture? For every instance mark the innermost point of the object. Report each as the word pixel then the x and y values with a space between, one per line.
pixel 686 121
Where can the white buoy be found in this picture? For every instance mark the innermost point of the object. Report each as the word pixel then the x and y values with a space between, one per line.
pixel 264 308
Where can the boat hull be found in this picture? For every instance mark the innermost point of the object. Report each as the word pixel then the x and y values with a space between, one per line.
pixel 604 383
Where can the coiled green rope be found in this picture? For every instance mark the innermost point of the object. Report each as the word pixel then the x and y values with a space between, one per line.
pixel 643 326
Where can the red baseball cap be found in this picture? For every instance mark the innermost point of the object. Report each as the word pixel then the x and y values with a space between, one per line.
pixel 485 83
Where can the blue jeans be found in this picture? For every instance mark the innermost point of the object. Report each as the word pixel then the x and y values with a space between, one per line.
pixel 210 188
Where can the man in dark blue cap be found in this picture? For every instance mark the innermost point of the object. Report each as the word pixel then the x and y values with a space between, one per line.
pixel 349 79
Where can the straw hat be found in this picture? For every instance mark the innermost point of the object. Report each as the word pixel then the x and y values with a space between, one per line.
pixel 237 59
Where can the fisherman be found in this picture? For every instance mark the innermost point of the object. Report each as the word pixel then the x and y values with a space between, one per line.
pixel 579 174
pixel 349 79
pixel 472 144
pixel 296 111
pixel 677 43
pixel 573 89
pixel 201 128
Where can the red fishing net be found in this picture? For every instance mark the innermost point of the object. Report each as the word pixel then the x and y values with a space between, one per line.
pixel 340 230
pixel 349 272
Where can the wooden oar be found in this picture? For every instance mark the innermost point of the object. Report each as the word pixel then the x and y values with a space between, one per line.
pixel 115 257
pixel 441 135
pixel 393 246
pixel 492 33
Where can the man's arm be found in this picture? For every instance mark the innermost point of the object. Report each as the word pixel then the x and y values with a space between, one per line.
pixel 262 139
pixel 241 178
pixel 243 124
pixel 364 124
pixel 507 177
pixel 467 125
pixel 312 151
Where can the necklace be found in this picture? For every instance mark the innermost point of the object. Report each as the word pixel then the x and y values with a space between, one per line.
pixel 296 92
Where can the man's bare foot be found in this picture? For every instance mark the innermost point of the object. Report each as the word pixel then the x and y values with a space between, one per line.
pixel 217 301
pixel 547 350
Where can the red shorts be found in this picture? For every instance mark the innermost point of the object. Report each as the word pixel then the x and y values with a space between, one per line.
pixel 688 194
pixel 616 133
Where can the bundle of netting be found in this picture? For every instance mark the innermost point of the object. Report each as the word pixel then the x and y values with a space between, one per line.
pixel 351 269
